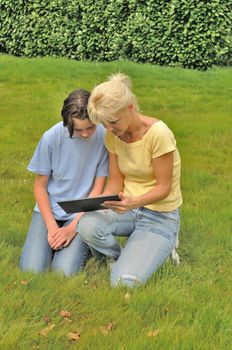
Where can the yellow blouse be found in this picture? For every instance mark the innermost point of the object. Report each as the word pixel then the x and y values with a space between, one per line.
pixel 134 160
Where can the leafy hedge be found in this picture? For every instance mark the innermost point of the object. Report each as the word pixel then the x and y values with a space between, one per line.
pixel 189 33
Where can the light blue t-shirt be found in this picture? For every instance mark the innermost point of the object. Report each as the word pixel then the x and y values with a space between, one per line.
pixel 71 164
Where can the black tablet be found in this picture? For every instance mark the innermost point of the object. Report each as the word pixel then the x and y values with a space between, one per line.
pixel 87 204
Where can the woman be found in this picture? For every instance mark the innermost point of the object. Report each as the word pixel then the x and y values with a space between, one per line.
pixel 144 169
pixel 70 162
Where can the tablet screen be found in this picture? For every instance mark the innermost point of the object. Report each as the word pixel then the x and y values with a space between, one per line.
pixel 87 204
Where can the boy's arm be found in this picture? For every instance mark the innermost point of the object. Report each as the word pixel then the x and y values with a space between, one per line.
pixel 43 202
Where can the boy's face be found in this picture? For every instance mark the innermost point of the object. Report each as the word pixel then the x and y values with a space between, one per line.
pixel 83 128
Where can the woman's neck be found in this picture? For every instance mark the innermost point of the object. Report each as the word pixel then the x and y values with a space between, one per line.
pixel 138 127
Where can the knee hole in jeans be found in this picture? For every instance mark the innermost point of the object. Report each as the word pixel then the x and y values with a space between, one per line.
pixel 127 280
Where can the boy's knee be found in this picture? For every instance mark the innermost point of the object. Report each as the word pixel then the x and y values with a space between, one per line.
pixel 67 271
pixel 35 268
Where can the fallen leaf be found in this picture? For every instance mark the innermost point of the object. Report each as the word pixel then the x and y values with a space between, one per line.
pixel 93 285
pixel 104 331
pixel 9 286
pixel 47 319
pixel 153 333
pixel 74 335
pixel 65 314
pixel 108 328
pixel 46 330
pixel 24 283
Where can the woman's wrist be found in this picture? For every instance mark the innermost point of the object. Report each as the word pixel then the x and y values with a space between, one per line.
pixel 136 202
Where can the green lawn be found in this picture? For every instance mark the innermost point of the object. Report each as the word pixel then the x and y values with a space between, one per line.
pixel 188 307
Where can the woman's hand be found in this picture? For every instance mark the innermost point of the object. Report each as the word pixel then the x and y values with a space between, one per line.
pixel 121 207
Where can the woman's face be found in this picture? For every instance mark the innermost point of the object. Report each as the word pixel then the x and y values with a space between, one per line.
pixel 121 123
pixel 83 128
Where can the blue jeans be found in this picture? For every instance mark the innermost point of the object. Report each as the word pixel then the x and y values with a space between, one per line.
pixel 38 256
pixel 151 237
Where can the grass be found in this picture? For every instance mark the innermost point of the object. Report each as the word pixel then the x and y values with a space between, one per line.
pixel 179 308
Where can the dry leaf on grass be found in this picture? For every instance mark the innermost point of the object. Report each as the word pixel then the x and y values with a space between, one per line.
pixel 24 282
pixel 47 319
pixel 65 314
pixel 108 328
pixel 46 330
pixel 74 335
pixel 153 333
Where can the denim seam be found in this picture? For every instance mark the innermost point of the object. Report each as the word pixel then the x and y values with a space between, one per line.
pixel 161 233
pixel 85 255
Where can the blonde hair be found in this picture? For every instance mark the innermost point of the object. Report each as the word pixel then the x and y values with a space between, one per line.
pixel 111 97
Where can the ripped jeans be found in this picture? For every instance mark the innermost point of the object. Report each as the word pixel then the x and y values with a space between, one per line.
pixel 151 237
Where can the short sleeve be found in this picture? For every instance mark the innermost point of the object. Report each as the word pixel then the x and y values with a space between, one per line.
pixel 109 142
pixel 102 169
pixel 41 161
pixel 162 141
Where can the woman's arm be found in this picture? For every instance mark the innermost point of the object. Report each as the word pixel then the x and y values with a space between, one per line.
pixel 163 172
pixel 98 186
pixel 115 182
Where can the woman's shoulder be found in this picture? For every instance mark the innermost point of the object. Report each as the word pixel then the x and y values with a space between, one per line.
pixel 159 127
pixel 154 126
pixel 160 136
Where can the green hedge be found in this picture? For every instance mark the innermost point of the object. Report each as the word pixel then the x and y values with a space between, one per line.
pixel 189 33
